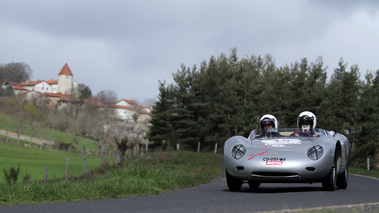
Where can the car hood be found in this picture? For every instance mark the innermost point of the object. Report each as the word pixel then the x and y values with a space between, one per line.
pixel 282 143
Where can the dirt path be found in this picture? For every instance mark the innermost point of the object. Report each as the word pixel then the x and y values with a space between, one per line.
pixel 26 138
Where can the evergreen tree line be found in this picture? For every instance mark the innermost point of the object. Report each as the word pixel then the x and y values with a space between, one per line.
pixel 226 96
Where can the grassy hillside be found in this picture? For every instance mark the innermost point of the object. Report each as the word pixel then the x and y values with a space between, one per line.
pixel 32 161
pixel 9 123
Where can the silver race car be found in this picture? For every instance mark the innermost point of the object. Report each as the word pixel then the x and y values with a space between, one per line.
pixel 287 156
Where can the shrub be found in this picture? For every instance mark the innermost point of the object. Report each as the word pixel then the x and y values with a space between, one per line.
pixel 26 178
pixel 11 176
pixel 63 146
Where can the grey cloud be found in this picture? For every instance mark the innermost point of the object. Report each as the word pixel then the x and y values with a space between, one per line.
pixel 147 39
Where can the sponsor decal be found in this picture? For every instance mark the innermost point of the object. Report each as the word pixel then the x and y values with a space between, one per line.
pixel 255 155
pixel 274 163
pixel 275 154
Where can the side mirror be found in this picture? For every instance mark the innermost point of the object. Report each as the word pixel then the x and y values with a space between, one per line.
pixel 331 133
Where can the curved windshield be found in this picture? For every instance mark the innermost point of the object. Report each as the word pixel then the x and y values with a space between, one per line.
pixel 286 132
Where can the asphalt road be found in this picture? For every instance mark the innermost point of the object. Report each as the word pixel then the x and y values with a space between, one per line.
pixel 215 197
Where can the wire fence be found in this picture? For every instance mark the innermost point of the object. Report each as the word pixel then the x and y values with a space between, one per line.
pixel 69 165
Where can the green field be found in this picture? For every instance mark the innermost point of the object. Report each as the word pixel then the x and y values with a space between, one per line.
pixel 151 174
pixel 33 161
pixel 9 123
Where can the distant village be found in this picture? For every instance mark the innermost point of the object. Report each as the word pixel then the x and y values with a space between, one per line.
pixel 64 91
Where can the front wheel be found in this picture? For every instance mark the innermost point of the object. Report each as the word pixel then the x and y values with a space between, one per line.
pixel 234 184
pixel 330 181
pixel 343 179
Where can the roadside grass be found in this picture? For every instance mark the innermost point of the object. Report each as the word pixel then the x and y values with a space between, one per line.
pixel 360 208
pixel 32 161
pixel 153 174
pixel 361 171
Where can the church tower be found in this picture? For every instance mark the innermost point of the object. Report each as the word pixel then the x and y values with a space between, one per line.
pixel 65 81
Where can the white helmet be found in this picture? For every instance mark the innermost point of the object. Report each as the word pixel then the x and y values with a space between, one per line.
pixel 268 119
pixel 306 121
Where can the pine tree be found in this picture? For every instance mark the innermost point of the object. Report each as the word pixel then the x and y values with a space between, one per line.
pixel 341 97
pixel 365 142
pixel 161 128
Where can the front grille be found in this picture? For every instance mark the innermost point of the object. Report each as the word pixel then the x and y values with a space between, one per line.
pixel 274 174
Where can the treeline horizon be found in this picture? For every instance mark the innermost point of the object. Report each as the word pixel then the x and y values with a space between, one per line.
pixel 227 95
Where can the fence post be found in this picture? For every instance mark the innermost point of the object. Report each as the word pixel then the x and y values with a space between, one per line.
pixel 67 167
pixel 215 148
pixel 147 145
pixel 177 147
pixel 118 156
pixel 102 152
pixel 84 161
pixel 139 150
pixel 368 163
pixel 198 146
pixel 45 174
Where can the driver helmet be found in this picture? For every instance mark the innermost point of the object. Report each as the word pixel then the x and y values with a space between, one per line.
pixel 268 119
pixel 306 121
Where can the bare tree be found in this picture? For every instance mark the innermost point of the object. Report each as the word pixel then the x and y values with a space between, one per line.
pixel 130 133
pixel 94 122
pixel 106 96
pixel 15 72
pixel 15 106
pixel 149 102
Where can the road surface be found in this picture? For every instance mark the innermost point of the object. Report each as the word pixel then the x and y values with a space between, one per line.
pixel 362 192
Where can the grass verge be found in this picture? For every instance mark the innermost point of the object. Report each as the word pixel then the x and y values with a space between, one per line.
pixel 153 174
pixel 360 171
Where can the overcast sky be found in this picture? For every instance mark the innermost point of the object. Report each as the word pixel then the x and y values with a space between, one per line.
pixel 128 46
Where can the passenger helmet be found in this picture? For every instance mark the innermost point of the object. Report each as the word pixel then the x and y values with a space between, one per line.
pixel 306 121
pixel 268 119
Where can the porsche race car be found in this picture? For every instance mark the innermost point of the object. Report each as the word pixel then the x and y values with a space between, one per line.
pixel 287 156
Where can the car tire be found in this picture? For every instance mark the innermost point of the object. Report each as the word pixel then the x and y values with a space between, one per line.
pixel 254 185
pixel 234 184
pixel 343 179
pixel 330 181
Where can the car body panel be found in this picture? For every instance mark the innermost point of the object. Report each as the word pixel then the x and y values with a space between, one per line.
pixel 285 159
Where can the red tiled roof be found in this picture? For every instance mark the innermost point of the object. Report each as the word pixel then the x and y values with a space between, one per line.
pixel 128 101
pixel 52 81
pixel 143 107
pixel 18 88
pixel 30 83
pixel 52 94
pixel 64 97
pixel 67 97
pixel 9 82
pixel 93 102
pixel 65 70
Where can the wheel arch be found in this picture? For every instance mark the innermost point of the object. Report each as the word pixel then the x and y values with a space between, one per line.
pixel 338 156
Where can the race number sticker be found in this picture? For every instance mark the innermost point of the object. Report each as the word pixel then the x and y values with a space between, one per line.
pixel 274 163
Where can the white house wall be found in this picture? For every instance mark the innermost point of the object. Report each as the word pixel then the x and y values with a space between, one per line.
pixel 125 114
pixel 54 88
pixel 30 96
pixel 43 87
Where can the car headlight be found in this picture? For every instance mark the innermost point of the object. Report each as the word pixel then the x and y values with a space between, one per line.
pixel 315 152
pixel 238 151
